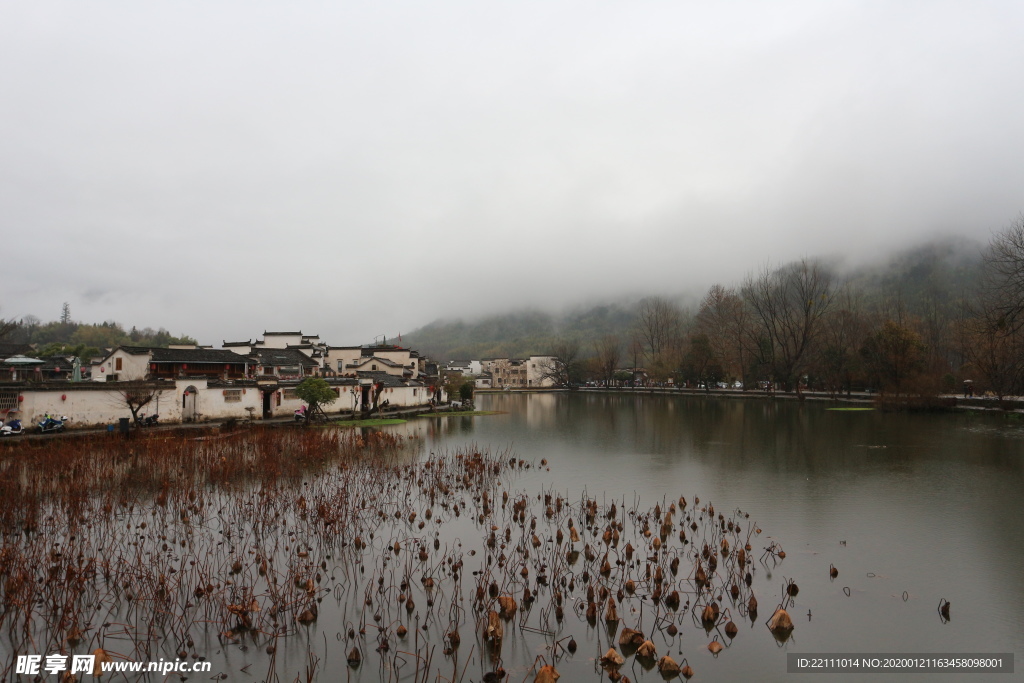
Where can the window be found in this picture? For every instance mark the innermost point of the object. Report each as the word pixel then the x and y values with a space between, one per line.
pixel 232 395
pixel 341 365
pixel 373 367
pixel 8 401
pixel 117 364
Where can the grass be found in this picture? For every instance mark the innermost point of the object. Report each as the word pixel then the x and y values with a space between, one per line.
pixel 464 413
pixel 851 409
pixel 376 422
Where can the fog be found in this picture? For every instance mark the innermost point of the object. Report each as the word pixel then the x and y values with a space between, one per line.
pixel 356 169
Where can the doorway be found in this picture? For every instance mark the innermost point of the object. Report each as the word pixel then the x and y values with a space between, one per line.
pixel 188 405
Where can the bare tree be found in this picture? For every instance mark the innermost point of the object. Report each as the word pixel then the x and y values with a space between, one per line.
pixel 636 354
pixel 7 327
pixel 725 320
pixel 843 330
pixel 660 326
pixel 607 350
pixel 789 304
pixel 658 323
pixel 565 367
pixel 702 364
pixel 994 351
pixel 992 331
pixel 1003 278
pixel 136 394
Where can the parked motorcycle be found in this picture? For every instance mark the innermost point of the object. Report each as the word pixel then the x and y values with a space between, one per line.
pixel 11 428
pixel 149 420
pixel 300 414
pixel 50 424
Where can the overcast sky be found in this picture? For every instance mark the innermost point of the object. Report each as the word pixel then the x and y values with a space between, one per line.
pixel 359 168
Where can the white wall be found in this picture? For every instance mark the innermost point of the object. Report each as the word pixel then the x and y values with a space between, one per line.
pixel 91 405
pixel 281 341
pixel 536 366
pixel 133 367
pixel 348 355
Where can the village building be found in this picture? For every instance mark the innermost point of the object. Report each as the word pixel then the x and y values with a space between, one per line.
pixel 506 372
pixel 133 363
pixel 540 371
pixel 243 380
pixel 309 344
pixel 466 367
pixel 535 372
pixel 284 363
pixel 394 360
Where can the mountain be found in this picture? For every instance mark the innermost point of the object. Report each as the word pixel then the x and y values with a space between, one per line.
pixel 926 281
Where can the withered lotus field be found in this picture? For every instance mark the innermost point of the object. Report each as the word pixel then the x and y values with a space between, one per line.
pixel 301 554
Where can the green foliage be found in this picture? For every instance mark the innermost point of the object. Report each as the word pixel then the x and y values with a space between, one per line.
pixel 97 336
pixel 67 350
pixel 376 422
pixel 315 391
pixel 466 390
pixel 894 355
pixel 462 413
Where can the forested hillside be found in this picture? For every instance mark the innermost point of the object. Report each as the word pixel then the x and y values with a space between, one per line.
pixel 935 275
pixel 66 336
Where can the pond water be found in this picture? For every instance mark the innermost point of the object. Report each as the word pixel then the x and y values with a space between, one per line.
pixel 273 554
pixel 912 509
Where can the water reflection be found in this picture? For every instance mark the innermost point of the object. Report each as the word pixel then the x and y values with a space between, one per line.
pixel 919 504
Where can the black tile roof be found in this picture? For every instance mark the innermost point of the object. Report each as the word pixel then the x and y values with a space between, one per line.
pixel 374 359
pixel 283 357
pixel 219 356
pixel 389 380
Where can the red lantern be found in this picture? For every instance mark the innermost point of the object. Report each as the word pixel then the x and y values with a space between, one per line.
pixel 20 399
pixel 152 366
pixel 184 366
pixel 63 397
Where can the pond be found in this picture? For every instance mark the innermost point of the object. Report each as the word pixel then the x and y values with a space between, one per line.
pixel 911 509
pixel 277 554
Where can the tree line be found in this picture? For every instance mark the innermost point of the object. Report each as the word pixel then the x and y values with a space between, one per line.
pixel 801 326
pixel 66 337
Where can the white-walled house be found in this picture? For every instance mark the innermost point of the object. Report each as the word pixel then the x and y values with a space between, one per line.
pixel 200 399
pixel 339 358
pixel 539 371
pixel 466 367
pixel 132 363
pixel 348 360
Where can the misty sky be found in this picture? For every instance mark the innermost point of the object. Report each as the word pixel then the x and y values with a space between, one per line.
pixel 359 168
